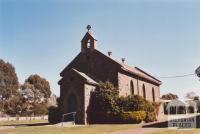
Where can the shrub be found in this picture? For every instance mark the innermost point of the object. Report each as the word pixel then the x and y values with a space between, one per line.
pixel 107 107
pixel 54 115
pixel 133 117
pixel 40 109
pixel 134 103
pixel 103 104
pixel 105 118
pixel 150 117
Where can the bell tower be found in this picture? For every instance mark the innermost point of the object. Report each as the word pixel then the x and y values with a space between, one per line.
pixel 88 43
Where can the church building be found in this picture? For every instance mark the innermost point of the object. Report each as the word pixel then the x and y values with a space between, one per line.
pixel 90 67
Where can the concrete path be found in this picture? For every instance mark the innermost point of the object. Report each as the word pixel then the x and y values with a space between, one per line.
pixel 136 131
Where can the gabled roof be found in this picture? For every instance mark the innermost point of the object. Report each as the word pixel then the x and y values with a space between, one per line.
pixel 89 34
pixel 140 72
pixel 86 77
pixel 63 71
pixel 135 70
pixel 178 103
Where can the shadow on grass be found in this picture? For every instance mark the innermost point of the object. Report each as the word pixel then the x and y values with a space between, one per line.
pixel 164 124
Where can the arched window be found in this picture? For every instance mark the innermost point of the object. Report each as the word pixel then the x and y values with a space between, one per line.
pixel 144 91
pixel 88 44
pixel 153 94
pixel 132 88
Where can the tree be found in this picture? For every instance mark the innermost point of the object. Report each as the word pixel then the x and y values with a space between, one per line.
pixel 169 96
pixel 191 95
pixel 39 86
pixel 30 94
pixel 8 80
pixel 26 91
pixel 52 100
pixel 196 98
pixel 16 105
pixel 36 91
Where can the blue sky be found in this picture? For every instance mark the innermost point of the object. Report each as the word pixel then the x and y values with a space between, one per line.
pixel 160 36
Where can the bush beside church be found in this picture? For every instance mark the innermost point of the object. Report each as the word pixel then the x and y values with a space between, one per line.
pixel 107 107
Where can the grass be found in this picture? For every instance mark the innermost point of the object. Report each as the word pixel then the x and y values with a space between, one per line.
pixel 22 122
pixel 37 127
pixel 170 131
pixel 89 129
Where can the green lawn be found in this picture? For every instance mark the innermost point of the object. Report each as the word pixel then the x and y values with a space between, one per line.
pixel 89 129
pixel 37 127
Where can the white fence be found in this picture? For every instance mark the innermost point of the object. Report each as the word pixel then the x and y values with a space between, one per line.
pixel 23 118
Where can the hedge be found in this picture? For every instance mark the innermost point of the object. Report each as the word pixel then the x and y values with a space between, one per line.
pixel 134 103
pixel 133 117
pixel 54 115
pixel 150 117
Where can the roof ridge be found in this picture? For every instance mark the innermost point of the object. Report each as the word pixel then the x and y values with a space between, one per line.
pixel 129 68
pixel 146 73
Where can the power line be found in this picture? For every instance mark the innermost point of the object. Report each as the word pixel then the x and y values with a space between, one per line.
pixel 176 76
